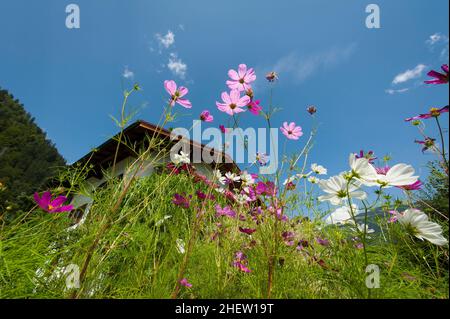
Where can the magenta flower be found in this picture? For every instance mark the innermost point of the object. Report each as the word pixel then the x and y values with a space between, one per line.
pixel 233 102
pixel 177 94
pixel 311 109
pixel 241 79
pixel 52 205
pixel 291 131
pixel 226 211
pixel 288 238
pixel 323 242
pixel 181 201
pixel 254 107
pixel 427 143
pixel 412 187
pixel 440 78
pixel 369 155
pixel 247 231
pixel 204 196
pixel 434 112
pixel 265 189
pixel 240 262
pixel 205 116
pixel 185 282
pixel 223 129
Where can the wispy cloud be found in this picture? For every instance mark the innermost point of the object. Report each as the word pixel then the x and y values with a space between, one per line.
pixel 177 66
pixel 127 73
pixel 411 74
pixel 436 39
pixel 166 40
pixel 301 68
pixel 439 41
pixel 392 91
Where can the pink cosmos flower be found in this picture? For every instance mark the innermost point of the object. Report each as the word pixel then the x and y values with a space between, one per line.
pixel 413 187
pixel 434 112
pixel 394 217
pixel 369 155
pixel 440 78
pixel 181 201
pixel 254 107
pixel 205 116
pixel 52 205
pixel 247 231
pixel 291 131
pixel 241 79
pixel 184 282
pixel 177 94
pixel 233 102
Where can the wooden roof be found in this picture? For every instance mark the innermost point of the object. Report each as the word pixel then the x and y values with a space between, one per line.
pixel 103 156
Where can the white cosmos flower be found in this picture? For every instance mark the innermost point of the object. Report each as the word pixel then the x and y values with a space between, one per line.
pixel 342 215
pixel 361 168
pixel 232 177
pixel 397 175
pixel 418 224
pixel 180 246
pixel 161 221
pixel 318 169
pixel 219 178
pixel 247 179
pixel 181 158
pixel 336 189
pixel 313 180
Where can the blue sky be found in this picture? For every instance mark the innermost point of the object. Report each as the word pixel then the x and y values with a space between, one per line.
pixel 71 80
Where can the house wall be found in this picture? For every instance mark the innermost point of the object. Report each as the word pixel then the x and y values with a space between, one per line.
pixel 125 168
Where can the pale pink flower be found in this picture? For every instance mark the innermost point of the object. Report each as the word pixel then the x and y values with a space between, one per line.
pixel 233 102
pixel 291 131
pixel 241 79
pixel 176 94
pixel 205 116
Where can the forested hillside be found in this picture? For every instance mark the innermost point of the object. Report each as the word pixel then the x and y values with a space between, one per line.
pixel 27 157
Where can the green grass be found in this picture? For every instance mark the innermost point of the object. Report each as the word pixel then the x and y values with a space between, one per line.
pixel 137 257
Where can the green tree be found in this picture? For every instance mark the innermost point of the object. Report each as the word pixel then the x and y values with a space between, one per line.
pixel 27 157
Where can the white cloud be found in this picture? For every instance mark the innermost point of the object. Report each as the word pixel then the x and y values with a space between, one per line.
pixel 392 91
pixel 409 74
pixel 127 73
pixel 176 66
pixel 301 68
pixel 166 40
pixel 436 38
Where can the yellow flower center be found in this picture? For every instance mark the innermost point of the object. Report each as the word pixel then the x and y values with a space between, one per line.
pixel 434 112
